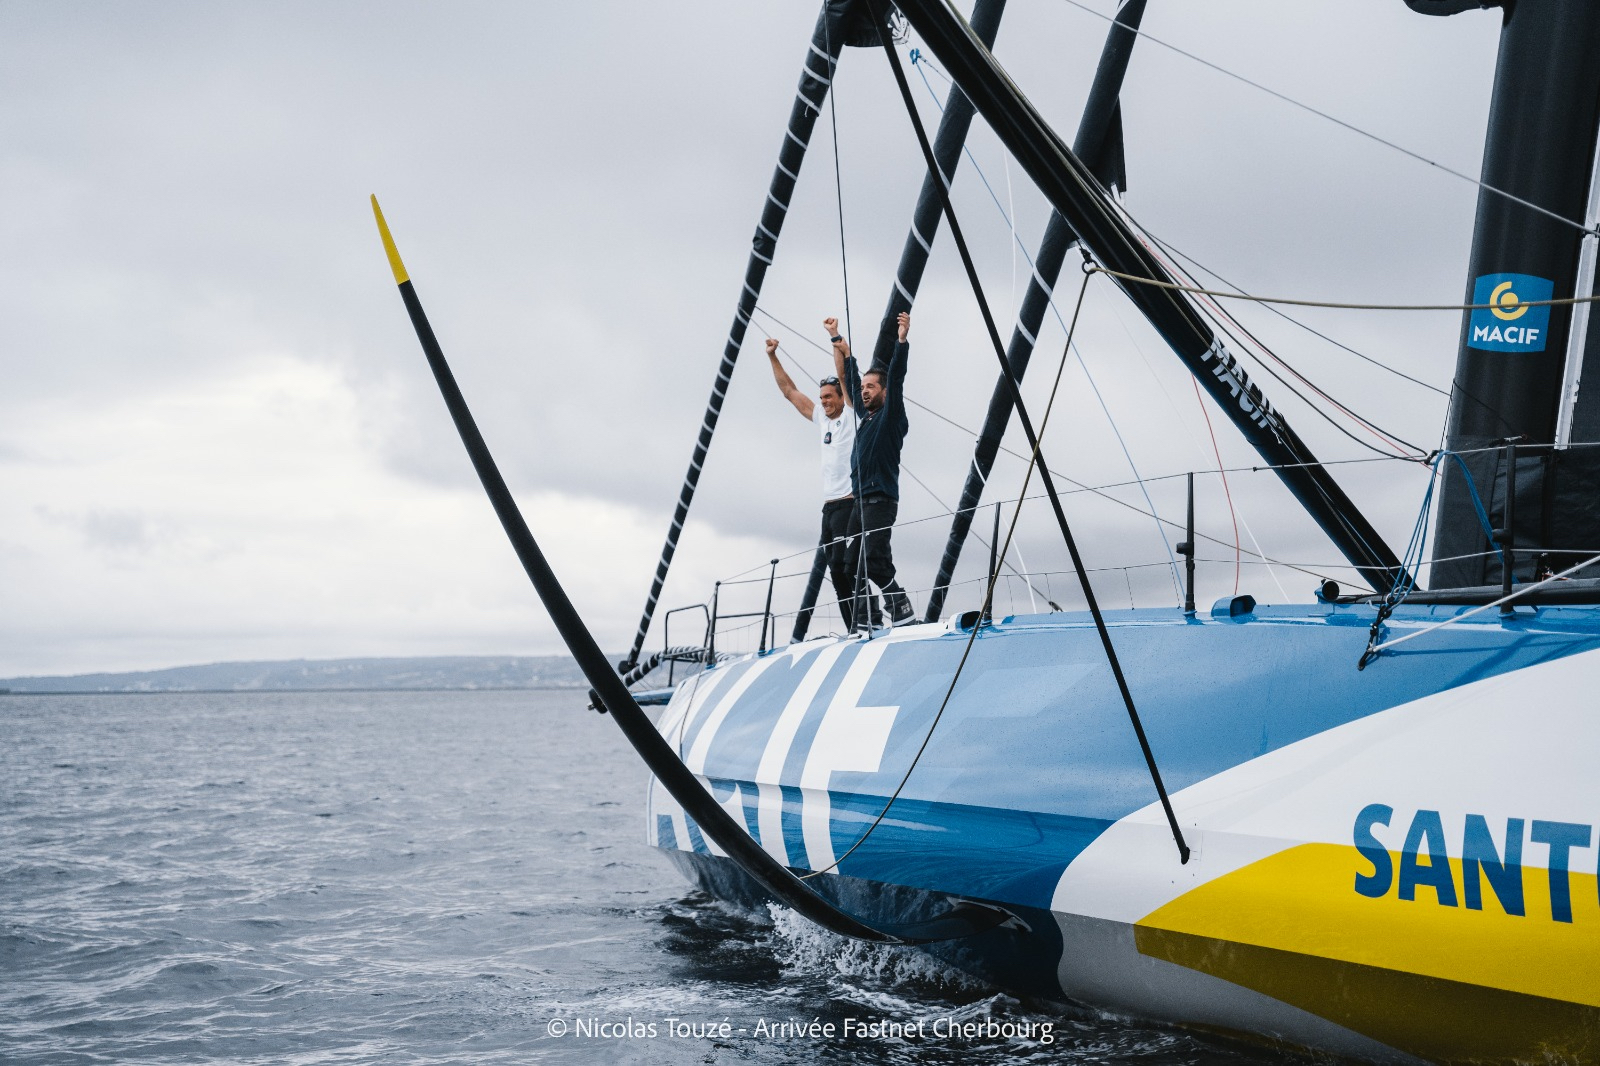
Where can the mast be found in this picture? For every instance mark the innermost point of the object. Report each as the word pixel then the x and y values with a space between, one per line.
pixel 1073 190
pixel 1099 144
pixel 947 145
pixel 834 25
pixel 1512 361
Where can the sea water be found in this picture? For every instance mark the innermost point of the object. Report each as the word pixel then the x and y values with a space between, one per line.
pixel 424 877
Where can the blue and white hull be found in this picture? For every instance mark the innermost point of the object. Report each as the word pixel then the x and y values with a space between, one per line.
pixel 1394 864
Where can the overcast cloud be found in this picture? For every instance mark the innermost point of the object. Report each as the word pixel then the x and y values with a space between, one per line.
pixel 218 438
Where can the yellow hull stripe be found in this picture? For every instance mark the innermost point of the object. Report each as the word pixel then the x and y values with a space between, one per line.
pixel 1293 927
pixel 1304 900
pixel 1441 1021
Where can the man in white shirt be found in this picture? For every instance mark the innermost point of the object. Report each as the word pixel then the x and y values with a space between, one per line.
pixel 836 429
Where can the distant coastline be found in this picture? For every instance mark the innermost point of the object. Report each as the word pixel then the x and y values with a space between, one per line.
pixel 445 672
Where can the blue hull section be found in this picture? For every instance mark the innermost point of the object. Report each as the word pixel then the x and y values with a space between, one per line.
pixel 1343 822
pixel 1035 757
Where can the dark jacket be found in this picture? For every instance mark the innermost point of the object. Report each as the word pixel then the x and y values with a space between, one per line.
pixel 880 433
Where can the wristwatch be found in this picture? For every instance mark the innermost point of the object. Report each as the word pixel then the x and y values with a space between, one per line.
pixel 836 339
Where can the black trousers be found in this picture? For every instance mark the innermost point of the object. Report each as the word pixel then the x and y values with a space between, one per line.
pixel 875 514
pixel 840 546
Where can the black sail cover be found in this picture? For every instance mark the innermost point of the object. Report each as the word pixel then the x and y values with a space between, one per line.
pixel 1539 148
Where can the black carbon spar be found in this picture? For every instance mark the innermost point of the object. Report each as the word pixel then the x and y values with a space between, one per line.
pixel 962 919
pixel 1099 143
pixel 1073 190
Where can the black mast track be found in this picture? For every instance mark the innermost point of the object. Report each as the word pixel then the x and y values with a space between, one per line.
pixel 1097 145
pixel 827 40
pixel 948 142
pixel 1073 190
pixel 960 920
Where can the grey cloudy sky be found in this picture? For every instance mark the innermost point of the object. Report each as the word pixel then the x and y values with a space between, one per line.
pixel 218 439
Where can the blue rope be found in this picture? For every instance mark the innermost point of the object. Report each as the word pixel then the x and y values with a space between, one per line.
pixel 918 60
pixel 1477 504
pixel 1411 562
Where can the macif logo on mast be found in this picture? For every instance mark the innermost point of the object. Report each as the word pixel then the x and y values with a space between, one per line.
pixel 1508 324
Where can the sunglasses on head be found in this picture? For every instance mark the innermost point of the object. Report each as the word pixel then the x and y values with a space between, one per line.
pixel 827 381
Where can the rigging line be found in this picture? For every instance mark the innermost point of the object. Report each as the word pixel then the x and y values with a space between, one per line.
pixel 1222 328
pixel 1010 217
pixel 1226 492
pixel 1033 438
pixel 863 600
pixel 838 189
pixel 1579 226
pixel 1175 252
pixel 1100 490
pixel 1518 594
pixel 988 602
pixel 1224 295
pixel 910 473
pixel 1233 511
pixel 1222 320
pixel 1271 571
pixel 1229 327
pixel 1021 574
pixel 1310 569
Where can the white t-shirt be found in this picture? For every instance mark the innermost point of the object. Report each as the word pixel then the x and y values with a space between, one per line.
pixel 838 436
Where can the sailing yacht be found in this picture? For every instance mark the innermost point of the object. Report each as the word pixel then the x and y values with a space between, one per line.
pixel 1364 826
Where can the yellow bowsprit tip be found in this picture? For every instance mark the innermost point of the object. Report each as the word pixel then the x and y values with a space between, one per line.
pixel 399 268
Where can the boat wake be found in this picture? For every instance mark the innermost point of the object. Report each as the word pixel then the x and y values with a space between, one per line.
pixel 771 962
pixel 868 973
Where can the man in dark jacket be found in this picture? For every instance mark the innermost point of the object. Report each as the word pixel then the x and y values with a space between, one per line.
pixel 878 397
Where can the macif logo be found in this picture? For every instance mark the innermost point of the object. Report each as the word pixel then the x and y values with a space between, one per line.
pixel 1508 324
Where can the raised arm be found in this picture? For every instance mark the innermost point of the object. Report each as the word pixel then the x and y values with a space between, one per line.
pixel 801 401
pixel 895 379
pixel 844 366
